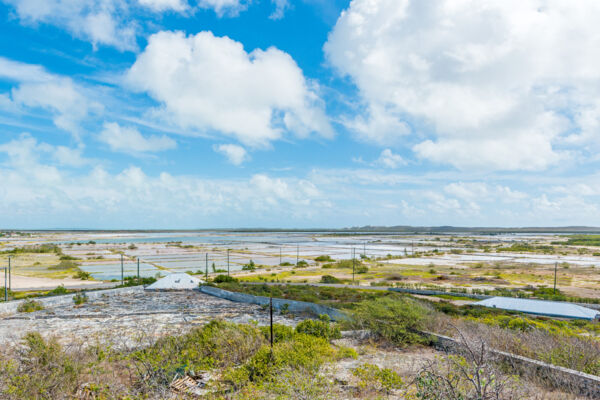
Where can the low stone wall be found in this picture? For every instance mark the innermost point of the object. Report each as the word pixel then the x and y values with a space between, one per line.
pixel 555 376
pixel 11 306
pixel 292 305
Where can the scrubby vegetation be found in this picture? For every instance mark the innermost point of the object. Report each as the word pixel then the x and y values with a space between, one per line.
pixel 30 306
pixel 80 298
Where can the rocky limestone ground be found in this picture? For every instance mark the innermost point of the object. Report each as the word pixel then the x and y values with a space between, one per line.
pixel 127 319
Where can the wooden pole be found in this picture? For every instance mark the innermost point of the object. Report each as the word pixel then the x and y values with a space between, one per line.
pixel 555 268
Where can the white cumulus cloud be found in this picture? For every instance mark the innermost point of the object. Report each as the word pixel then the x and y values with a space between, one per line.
pixel 496 84
pixel 213 85
pixel 234 153
pixel 130 140
pixel 388 159
pixel 164 5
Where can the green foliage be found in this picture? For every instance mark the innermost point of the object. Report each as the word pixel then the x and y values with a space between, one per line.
pixel 80 298
pixel 280 332
pixel 324 258
pixel 397 320
pixel 286 264
pixel 39 249
pixel 134 281
pixel 581 240
pixel 224 278
pixel 249 267
pixel 217 344
pixel 82 275
pixel 372 378
pixel 45 371
pixel 68 257
pixel 64 265
pixel 361 269
pixel 59 290
pixel 319 328
pixel 301 264
pixel 330 279
pixel 30 306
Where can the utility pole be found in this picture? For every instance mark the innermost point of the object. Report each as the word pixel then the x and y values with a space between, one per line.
pixel 365 249
pixel 279 255
pixel 9 275
pixel 271 317
pixel 297 253
pixel 353 265
pixel 138 265
pixel 555 268
pixel 121 268
pixel 206 269
pixel 227 262
pixel 5 284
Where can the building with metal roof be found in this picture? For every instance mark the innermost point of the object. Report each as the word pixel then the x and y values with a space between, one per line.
pixel 556 309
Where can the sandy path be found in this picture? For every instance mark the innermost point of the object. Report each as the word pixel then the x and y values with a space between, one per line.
pixel 26 282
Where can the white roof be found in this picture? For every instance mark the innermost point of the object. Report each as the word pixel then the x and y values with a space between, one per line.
pixel 176 281
pixel 540 307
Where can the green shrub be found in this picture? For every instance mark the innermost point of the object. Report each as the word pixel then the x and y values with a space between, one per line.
pixel 59 290
pixel 80 298
pixel 301 264
pixel 67 257
pixel 329 279
pixel 324 258
pixel 319 328
pixel 224 278
pixel 371 377
pixel 45 371
pixel 280 332
pixel 64 265
pixel 82 275
pixel 286 264
pixel 397 320
pixel 30 306
pixel 361 269
pixel 249 267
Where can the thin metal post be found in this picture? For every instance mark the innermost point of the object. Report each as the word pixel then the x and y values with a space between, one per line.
pixel 353 265
pixel 138 265
pixel 227 262
pixel 9 275
pixel 271 315
pixel 365 249
pixel 206 269
pixel 121 268
pixel 555 267
pixel 297 253
pixel 5 284
pixel 279 255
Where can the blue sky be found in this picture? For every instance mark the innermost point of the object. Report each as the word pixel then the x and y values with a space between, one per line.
pixel 305 113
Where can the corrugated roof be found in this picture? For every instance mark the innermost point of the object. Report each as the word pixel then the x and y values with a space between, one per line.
pixel 177 281
pixel 540 307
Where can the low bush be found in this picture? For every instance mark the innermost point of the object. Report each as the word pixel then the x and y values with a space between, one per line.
pixel 301 264
pixel 324 258
pixel 397 320
pixel 82 275
pixel 330 279
pixel 224 278
pixel 320 328
pixel 80 298
pixel 30 306
pixel 64 265
pixel 372 378
pixel 249 267
pixel 57 291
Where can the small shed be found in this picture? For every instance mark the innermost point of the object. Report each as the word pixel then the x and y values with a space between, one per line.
pixel 176 281
pixel 556 309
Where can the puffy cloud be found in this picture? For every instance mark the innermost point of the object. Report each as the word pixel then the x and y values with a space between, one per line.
pixel 164 5
pixel 65 100
pixel 280 8
pixel 130 140
pixel 26 151
pixel 224 7
pixel 211 84
pixel 388 159
pixel 234 153
pixel 35 192
pixel 495 82
pixel 99 21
